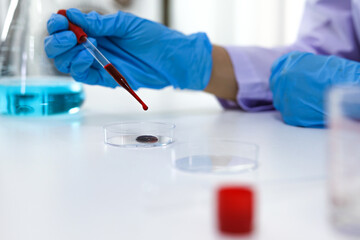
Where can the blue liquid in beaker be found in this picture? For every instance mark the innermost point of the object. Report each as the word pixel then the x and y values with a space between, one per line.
pixel 39 97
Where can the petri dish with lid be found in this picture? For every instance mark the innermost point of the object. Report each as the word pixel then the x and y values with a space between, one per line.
pixel 139 134
pixel 215 156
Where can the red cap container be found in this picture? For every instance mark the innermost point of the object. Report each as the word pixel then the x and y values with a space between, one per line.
pixel 235 210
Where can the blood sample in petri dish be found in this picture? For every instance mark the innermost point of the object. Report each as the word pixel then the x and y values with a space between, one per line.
pixel 147 139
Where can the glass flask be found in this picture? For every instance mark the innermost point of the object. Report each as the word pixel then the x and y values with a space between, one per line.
pixel 344 155
pixel 29 82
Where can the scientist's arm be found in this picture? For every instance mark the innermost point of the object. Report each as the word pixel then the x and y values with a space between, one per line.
pixel 299 81
pixel 222 81
pixel 327 28
pixel 147 53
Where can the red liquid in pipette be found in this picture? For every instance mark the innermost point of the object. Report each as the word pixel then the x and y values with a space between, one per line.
pixel 122 82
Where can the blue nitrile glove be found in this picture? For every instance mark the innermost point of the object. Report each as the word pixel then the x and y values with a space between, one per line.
pixel 299 83
pixel 147 53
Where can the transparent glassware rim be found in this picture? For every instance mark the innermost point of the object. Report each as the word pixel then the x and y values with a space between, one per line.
pixel 169 126
pixel 200 141
pixel 219 139
pixel 343 90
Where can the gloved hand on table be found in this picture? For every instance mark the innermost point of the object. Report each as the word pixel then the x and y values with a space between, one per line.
pixel 299 83
pixel 147 53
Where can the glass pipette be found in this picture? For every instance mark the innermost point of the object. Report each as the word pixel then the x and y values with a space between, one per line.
pixel 109 67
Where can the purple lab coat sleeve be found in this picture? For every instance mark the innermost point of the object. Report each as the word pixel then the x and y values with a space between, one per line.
pixel 327 28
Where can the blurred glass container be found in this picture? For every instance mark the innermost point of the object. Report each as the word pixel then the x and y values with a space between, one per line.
pixel 215 156
pixel 29 82
pixel 344 154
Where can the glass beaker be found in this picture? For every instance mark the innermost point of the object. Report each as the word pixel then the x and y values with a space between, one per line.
pixel 29 83
pixel 344 155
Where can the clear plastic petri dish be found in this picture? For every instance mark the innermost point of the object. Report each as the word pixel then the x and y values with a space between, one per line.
pixel 139 134
pixel 215 156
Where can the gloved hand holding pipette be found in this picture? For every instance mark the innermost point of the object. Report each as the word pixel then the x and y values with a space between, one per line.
pixel 82 38
pixel 148 54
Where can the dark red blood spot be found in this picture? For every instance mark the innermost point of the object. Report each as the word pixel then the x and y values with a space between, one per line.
pixel 147 139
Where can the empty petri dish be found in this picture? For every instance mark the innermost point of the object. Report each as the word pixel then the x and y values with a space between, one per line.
pixel 139 134
pixel 215 156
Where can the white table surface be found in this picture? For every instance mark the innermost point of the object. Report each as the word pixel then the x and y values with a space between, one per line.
pixel 58 180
